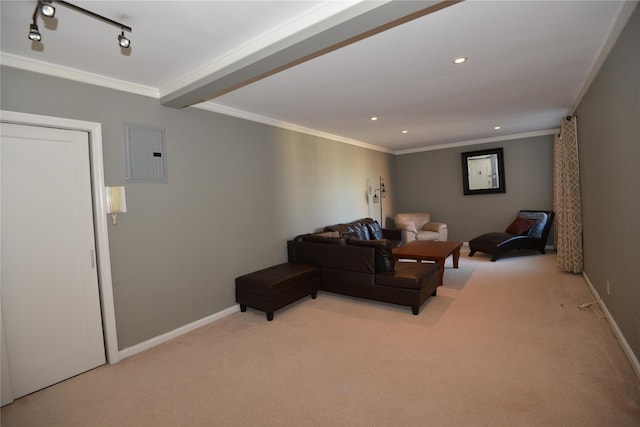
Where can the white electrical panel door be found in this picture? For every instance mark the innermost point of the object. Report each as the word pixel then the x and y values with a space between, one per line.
pixel 145 153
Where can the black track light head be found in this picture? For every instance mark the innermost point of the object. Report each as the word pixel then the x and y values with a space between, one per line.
pixel 34 33
pixel 123 41
pixel 47 9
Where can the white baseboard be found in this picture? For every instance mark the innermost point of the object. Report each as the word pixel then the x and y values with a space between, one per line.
pixel 146 345
pixel 635 364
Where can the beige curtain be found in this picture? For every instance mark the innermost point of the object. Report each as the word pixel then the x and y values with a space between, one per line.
pixel 566 197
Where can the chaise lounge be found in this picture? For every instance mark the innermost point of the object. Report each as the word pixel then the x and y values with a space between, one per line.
pixel 529 230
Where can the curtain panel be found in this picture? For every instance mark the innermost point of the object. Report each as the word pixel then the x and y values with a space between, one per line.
pixel 566 197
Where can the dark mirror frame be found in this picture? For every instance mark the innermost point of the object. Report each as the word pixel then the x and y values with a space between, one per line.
pixel 465 172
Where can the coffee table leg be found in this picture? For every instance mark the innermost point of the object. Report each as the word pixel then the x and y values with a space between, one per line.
pixel 456 257
pixel 440 262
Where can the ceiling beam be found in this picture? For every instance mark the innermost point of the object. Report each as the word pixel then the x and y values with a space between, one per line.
pixel 363 20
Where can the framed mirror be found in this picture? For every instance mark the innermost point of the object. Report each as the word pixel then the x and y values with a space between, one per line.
pixel 483 172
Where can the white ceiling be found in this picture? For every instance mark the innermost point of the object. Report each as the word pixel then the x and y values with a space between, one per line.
pixel 529 62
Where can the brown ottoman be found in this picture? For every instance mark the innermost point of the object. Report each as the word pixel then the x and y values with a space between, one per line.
pixel 274 287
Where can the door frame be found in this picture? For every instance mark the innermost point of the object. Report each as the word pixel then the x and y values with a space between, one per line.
pixel 94 130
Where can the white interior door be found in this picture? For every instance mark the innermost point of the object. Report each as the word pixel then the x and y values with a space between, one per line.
pixel 50 303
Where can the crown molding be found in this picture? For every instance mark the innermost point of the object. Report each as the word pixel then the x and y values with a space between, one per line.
pixel 228 111
pixel 42 67
pixel 481 141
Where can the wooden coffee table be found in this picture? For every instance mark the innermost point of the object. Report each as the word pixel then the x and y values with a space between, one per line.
pixel 429 250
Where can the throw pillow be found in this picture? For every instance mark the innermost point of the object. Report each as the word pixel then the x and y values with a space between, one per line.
pixel 541 221
pixel 521 226
pixel 362 230
pixel 375 231
pixel 384 261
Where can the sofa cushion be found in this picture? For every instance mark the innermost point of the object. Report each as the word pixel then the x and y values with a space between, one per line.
pixel 375 231
pixel 328 234
pixel 352 229
pixel 338 257
pixel 350 235
pixel 384 261
pixel 318 238
pixel 339 228
pixel 521 226
pixel 411 275
pixel 362 230
pixel 427 235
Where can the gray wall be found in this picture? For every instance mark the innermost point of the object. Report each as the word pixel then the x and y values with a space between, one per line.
pixel 609 150
pixel 237 190
pixel 431 181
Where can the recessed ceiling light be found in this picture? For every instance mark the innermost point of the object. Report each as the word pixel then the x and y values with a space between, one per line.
pixel 497 127
pixel 460 60
pixel 405 131
pixel 374 118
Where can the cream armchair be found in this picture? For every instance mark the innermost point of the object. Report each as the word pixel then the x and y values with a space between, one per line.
pixel 418 226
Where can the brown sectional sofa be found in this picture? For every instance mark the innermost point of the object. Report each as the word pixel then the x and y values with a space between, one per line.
pixel 366 229
pixel 354 260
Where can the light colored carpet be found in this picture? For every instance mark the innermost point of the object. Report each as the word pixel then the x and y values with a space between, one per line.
pixel 503 344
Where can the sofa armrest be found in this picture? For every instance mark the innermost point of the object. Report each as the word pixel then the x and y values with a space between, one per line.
pixel 392 233
pixel 438 227
pixel 408 229
pixel 408 236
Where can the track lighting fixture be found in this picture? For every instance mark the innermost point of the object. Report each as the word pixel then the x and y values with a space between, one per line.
pixel 34 34
pixel 123 41
pixel 46 9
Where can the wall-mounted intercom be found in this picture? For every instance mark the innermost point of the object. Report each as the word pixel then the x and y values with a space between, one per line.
pixel 116 202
